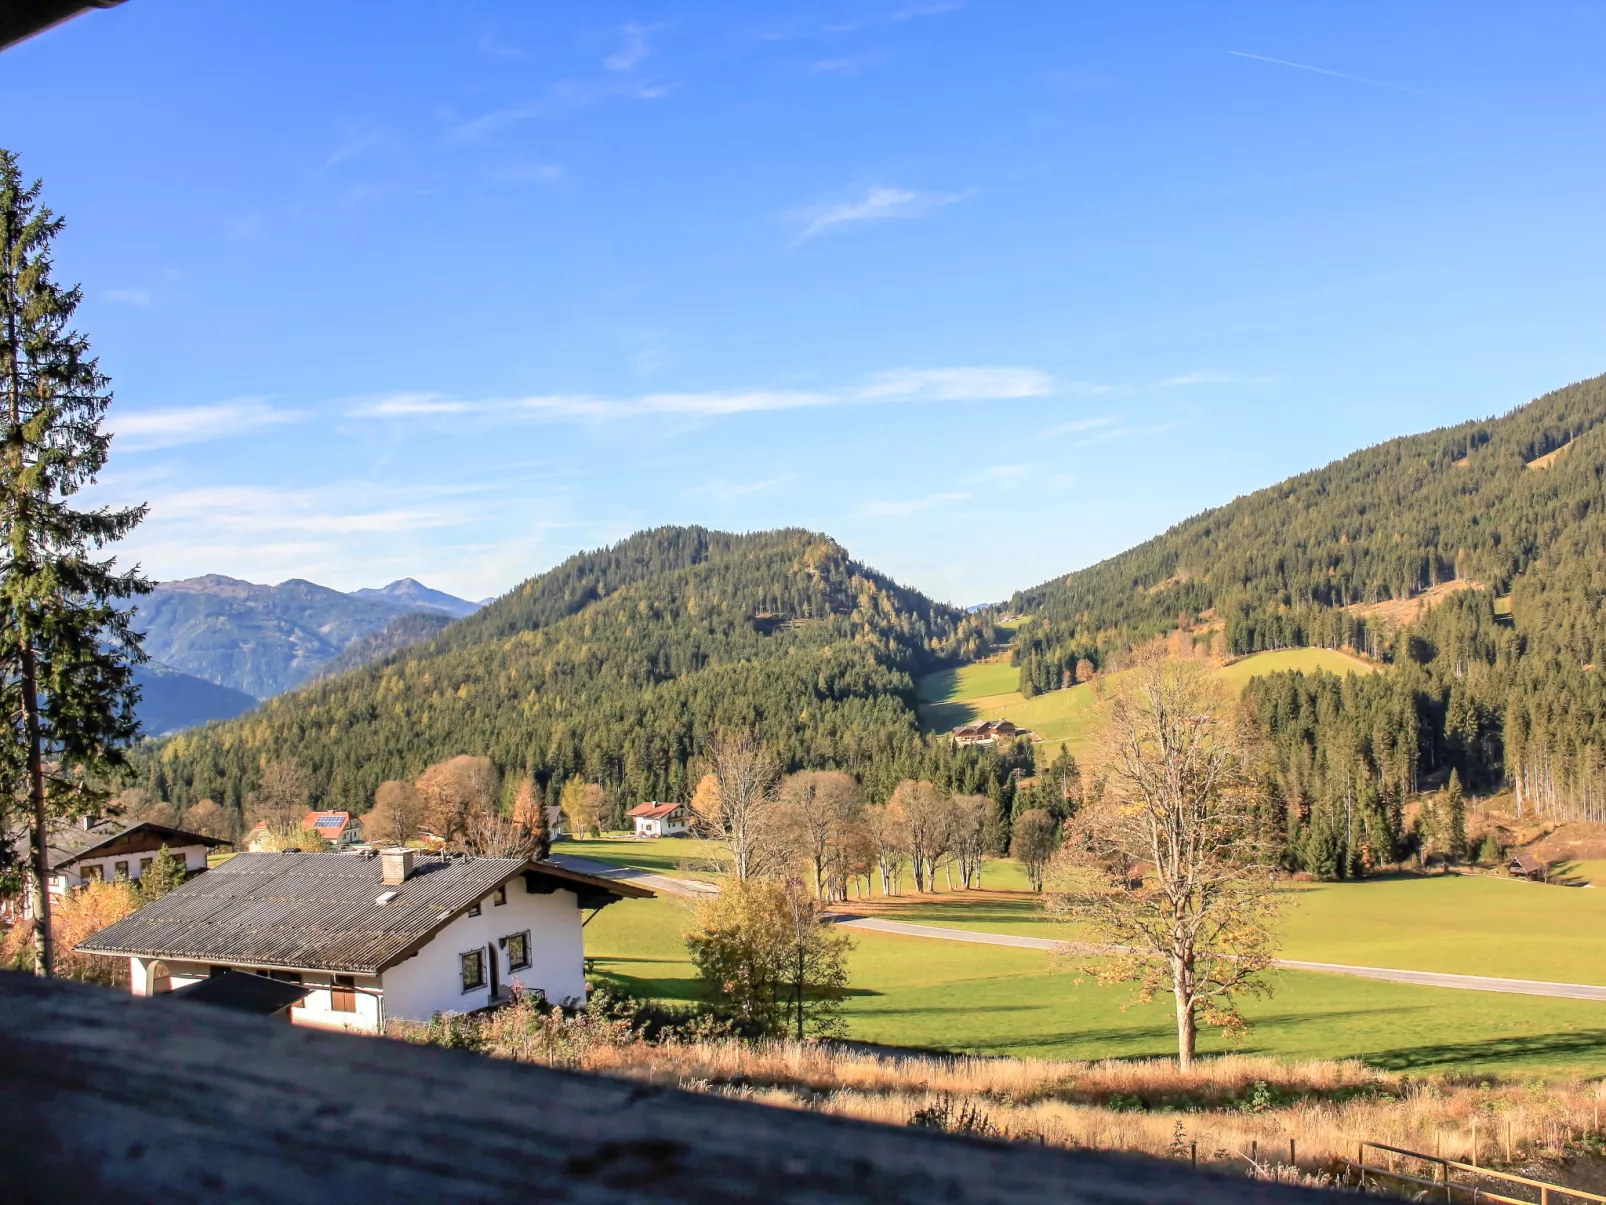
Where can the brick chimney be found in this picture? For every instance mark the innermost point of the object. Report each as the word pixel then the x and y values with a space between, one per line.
pixel 396 865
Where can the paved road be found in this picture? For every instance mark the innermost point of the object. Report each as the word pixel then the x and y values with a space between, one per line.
pixel 694 888
pixel 1469 983
pixel 689 888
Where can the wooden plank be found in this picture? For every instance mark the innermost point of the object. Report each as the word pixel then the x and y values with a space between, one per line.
pixel 106 1096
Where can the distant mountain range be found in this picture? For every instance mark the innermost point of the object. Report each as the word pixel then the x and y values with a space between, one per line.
pixel 218 645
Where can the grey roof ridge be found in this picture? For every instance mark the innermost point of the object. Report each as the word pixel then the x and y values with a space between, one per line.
pixel 517 866
pixel 89 850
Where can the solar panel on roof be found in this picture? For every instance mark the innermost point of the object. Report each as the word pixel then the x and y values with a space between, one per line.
pixel 328 822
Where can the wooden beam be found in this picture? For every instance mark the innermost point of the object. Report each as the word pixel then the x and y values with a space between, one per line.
pixel 110 1097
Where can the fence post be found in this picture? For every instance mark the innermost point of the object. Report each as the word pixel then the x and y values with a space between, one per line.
pixel 1293 1159
pixel 1474 1142
pixel 1193 1153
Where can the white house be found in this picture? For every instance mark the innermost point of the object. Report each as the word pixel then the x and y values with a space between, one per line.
pixel 397 935
pixel 655 819
pixel 82 850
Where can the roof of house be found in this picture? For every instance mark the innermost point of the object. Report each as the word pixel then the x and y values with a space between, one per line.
pixel 297 911
pixel 1528 863
pixel 68 842
pixel 652 810
pixel 243 992
pixel 327 824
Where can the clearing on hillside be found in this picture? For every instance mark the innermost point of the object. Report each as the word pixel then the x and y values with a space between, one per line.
pixel 954 697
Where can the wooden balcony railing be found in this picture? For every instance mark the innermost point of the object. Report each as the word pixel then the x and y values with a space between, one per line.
pixel 107 1097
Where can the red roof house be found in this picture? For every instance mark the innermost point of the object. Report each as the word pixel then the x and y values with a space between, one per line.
pixel 654 819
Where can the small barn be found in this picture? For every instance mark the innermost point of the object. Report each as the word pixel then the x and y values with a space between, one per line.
pixel 1528 866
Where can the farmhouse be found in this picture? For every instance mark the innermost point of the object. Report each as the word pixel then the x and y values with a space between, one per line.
pixel 987 732
pixel 377 937
pixel 86 849
pixel 655 819
pixel 341 829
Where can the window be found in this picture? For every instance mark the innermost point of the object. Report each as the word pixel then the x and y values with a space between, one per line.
pixel 285 976
pixel 120 870
pixel 343 995
pixel 145 864
pixel 94 872
pixel 499 896
pixel 518 951
pixel 474 911
pixel 473 970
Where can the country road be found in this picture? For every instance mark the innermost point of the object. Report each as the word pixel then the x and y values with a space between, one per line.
pixel 686 888
pixel 1467 983
pixel 694 888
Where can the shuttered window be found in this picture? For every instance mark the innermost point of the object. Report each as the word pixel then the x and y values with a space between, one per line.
pixel 343 995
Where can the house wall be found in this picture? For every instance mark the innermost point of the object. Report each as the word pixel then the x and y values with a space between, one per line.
pixel 74 876
pixel 431 980
pixel 318 1008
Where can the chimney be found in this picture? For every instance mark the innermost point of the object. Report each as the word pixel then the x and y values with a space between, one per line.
pixel 396 865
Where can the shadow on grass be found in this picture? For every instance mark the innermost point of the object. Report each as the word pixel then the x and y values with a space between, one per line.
pixel 1581 1044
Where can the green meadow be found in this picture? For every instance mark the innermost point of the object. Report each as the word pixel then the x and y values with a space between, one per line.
pixel 919 992
pixel 915 992
pixel 986 691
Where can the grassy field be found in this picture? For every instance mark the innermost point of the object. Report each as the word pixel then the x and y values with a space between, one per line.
pixel 986 691
pixel 682 857
pixel 932 994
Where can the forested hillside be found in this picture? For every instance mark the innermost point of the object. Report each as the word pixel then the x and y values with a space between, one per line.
pixel 1510 506
pixel 621 666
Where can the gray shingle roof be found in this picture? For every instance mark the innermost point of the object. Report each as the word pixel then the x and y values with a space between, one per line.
pixel 67 841
pixel 317 912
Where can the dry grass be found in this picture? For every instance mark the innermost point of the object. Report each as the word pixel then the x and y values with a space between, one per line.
pixel 1398 612
pixel 1229 1108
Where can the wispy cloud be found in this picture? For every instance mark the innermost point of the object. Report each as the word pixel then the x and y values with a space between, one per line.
pixel 621 80
pixel 166 428
pixel 139 297
pixel 998 472
pixel 878 204
pixel 730 491
pixel 1358 79
pixel 904 385
pixel 973 383
pixel 633 51
pixel 359 141
pixel 883 509
pixel 1076 426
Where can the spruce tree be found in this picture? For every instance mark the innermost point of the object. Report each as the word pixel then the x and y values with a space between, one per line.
pixel 66 647
pixel 1455 818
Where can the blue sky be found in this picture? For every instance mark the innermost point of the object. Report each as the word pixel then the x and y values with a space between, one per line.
pixel 987 291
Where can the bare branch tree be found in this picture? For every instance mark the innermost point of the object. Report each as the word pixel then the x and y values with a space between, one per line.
pixel 1178 802
pixel 743 813
pixel 818 806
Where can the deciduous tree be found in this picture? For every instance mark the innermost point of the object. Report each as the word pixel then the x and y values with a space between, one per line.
pixel 1178 799
pixel 1037 837
pixel 281 796
pixel 397 814
pixel 768 956
pixel 452 790
pixel 820 806
pixel 744 815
